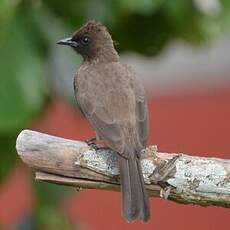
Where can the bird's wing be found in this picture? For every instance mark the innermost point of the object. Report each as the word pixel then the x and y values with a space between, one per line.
pixel 141 109
pixel 114 106
pixel 142 117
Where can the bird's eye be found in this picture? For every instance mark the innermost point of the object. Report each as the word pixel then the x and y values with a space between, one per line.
pixel 85 40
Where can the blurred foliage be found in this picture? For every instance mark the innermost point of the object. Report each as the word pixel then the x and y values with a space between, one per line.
pixel 22 89
pixel 146 26
pixel 29 61
pixel 51 218
pixel 8 157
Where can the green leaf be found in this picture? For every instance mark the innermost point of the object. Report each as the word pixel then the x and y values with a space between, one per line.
pixel 53 218
pixel 44 190
pixel 8 154
pixel 22 74
pixel 137 6
pixel 48 213
pixel 7 10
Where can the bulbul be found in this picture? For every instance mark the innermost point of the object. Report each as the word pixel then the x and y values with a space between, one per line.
pixel 114 102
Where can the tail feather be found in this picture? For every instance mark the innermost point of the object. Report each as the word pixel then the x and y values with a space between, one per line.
pixel 145 211
pixel 134 197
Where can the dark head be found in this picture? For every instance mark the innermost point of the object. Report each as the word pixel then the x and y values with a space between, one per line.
pixel 93 42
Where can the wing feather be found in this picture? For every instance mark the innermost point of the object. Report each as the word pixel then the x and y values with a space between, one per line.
pixel 111 115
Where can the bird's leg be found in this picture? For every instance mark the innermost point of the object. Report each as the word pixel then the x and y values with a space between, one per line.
pixel 91 140
pixel 162 173
pixel 92 143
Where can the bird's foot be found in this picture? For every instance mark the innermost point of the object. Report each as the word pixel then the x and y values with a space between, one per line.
pixel 91 140
pixel 92 143
pixel 162 173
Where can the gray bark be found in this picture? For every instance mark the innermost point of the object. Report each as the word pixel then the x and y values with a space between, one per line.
pixel 187 179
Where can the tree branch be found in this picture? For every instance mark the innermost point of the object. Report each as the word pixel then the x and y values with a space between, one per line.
pixel 198 180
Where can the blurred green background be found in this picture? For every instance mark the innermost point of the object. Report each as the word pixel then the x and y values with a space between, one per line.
pixel 30 61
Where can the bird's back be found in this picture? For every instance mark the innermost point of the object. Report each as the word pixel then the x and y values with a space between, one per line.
pixel 109 93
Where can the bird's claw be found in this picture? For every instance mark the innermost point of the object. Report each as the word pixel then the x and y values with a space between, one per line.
pixel 92 143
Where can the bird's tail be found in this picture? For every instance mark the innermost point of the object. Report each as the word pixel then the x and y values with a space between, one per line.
pixel 134 196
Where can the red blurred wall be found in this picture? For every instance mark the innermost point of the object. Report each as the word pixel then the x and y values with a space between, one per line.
pixel 196 123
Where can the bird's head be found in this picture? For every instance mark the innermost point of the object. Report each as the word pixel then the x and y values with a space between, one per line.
pixel 92 41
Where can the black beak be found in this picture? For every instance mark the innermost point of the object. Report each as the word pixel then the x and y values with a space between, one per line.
pixel 67 41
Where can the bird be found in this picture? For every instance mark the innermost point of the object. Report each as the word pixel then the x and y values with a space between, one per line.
pixel 114 102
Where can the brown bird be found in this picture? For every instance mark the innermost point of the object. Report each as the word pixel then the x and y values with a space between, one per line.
pixel 114 102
